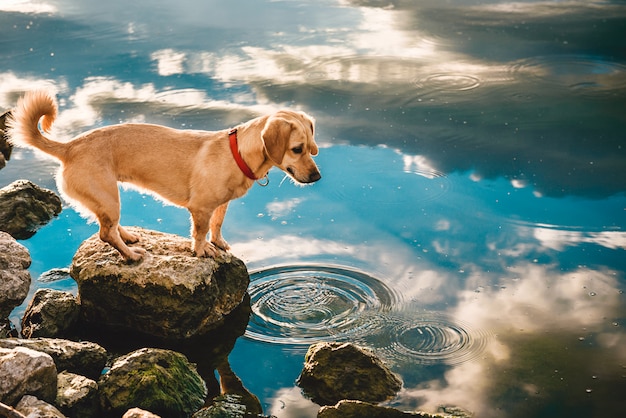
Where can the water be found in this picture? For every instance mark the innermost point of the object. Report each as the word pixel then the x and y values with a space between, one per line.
pixel 470 223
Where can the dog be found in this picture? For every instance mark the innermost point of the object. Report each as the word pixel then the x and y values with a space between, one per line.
pixel 199 170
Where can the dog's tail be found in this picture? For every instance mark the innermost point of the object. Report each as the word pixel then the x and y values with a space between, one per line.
pixel 24 123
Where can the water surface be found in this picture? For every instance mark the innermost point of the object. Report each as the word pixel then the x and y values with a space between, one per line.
pixel 470 224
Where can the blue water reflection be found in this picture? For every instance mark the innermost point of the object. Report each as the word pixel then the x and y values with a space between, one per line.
pixel 474 164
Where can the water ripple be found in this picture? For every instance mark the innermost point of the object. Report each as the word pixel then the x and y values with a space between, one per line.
pixel 586 75
pixel 448 82
pixel 430 339
pixel 304 304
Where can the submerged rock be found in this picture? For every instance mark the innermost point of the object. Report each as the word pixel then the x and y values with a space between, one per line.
pixel 157 380
pixel 337 371
pixel 228 406
pixel 26 372
pixel 84 358
pixel 51 313
pixel 25 207
pixel 14 276
pixel 170 294
pixel 358 409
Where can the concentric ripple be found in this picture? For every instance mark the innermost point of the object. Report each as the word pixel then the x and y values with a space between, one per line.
pixel 430 339
pixel 449 82
pixel 306 304
pixel 580 73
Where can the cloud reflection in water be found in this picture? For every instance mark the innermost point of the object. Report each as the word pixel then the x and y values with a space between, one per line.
pixel 496 199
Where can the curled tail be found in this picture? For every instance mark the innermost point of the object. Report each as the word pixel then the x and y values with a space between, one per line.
pixel 24 123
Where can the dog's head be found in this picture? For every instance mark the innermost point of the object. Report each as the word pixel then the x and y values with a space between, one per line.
pixel 289 143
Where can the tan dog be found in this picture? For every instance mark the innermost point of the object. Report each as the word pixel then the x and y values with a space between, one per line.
pixel 198 170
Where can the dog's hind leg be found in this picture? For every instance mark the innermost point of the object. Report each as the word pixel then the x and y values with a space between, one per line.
pixel 110 233
pixel 101 197
pixel 127 236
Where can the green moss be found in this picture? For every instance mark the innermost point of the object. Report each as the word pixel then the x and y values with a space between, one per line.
pixel 160 381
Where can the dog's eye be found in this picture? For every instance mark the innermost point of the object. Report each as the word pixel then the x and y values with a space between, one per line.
pixel 297 150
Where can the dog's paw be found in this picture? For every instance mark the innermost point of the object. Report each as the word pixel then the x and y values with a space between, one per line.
pixel 221 244
pixel 135 254
pixel 206 250
pixel 128 237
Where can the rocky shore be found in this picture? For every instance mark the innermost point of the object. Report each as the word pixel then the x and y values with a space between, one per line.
pixel 146 340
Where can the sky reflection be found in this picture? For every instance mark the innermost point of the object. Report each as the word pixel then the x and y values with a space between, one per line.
pixel 394 75
pixel 473 155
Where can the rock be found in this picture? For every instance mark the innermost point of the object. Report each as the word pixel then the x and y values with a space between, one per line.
pixel 337 371
pixel 157 380
pixel 5 146
pixel 7 330
pixel 139 413
pixel 32 407
pixel 25 371
pixel 54 275
pixel 227 406
pixel 51 313
pixel 14 275
pixel 171 294
pixel 77 396
pixel 25 207
pixel 83 358
pixel 358 409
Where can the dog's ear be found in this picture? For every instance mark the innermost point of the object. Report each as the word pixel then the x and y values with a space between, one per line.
pixel 275 136
pixel 314 150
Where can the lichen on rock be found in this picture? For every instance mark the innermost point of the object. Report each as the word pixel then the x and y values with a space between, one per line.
pixel 157 380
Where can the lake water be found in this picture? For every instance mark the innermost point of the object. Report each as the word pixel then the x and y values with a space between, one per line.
pixel 470 225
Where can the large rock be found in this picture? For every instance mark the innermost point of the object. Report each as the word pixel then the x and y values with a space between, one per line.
pixel 84 358
pixel 358 409
pixel 336 371
pixel 157 380
pixel 5 146
pixel 25 207
pixel 14 275
pixel 139 413
pixel 25 371
pixel 77 396
pixel 171 294
pixel 51 313
pixel 32 407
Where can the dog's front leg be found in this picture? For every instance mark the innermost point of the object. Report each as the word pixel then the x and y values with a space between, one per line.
pixel 217 219
pixel 200 219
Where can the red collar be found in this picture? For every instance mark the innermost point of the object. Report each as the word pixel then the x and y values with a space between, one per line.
pixel 232 136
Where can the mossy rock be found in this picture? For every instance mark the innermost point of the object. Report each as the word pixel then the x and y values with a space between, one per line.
pixel 159 381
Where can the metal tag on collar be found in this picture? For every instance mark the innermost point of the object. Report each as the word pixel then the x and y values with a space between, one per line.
pixel 263 181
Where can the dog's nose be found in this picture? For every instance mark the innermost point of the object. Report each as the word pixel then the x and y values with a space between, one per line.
pixel 313 177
